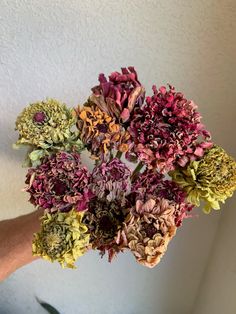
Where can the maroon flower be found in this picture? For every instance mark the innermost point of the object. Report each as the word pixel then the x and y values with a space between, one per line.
pixel 120 94
pixel 59 183
pixel 167 131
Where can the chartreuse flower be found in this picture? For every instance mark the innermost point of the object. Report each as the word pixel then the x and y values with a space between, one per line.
pixel 211 179
pixel 63 238
pixel 45 123
pixel 46 127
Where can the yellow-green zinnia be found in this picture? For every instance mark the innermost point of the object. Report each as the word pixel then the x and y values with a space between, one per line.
pixel 211 179
pixel 63 238
pixel 44 124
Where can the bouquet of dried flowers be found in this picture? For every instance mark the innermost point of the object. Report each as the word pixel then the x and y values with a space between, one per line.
pixel 118 206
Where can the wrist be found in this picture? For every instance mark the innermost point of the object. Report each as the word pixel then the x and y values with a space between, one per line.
pixel 16 237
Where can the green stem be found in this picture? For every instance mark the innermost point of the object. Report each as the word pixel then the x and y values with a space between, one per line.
pixel 137 170
pixel 111 156
pixel 118 154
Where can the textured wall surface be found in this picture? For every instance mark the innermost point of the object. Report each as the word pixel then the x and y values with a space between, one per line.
pixel 217 291
pixel 56 49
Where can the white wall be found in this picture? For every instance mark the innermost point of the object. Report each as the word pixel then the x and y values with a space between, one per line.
pixel 57 48
pixel 218 288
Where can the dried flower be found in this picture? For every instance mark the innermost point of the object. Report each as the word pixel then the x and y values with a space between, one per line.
pixel 63 238
pixel 103 220
pixel 211 179
pixel 148 230
pixel 111 180
pixel 153 184
pixel 59 183
pixel 120 94
pixel 99 131
pixel 44 124
pixel 167 131
pixel 35 156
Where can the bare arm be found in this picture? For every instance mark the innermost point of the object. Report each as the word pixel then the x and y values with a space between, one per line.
pixel 16 242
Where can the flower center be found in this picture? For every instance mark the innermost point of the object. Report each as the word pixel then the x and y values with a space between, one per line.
pixel 39 117
pixel 53 240
pixel 167 194
pixel 115 174
pixel 105 223
pixel 59 187
pixel 102 128
pixel 150 230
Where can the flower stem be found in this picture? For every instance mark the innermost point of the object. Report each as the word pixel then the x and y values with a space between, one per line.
pixel 111 156
pixel 118 154
pixel 137 170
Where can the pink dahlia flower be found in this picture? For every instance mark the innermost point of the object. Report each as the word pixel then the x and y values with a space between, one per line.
pixel 167 131
pixel 111 180
pixel 59 183
pixel 120 94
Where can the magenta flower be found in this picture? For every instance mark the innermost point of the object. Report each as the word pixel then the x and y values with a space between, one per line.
pixel 152 184
pixel 167 131
pixel 120 94
pixel 111 180
pixel 59 183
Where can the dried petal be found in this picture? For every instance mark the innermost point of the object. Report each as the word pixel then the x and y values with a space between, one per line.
pixel 167 131
pixel 211 179
pixel 59 183
pixel 63 238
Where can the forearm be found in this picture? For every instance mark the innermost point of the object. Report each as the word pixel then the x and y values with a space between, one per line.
pixel 16 242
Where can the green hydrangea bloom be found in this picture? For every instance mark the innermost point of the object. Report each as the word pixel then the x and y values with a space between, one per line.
pixel 63 238
pixel 211 179
pixel 44 124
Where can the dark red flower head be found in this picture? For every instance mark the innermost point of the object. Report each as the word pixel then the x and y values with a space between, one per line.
pixel 120 94
pixel 167 131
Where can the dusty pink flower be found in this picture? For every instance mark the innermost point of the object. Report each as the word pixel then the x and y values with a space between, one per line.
pixel 153 184
pixel 59 183
pixel 148 230
pixel 167 131
pixel 111 180
pixel 120 94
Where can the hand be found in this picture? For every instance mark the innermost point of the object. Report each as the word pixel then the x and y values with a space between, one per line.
pixel 16 237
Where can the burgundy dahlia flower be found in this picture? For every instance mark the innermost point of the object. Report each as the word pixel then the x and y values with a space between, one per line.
pixel 120 94
pixel 59 183
pixel 167 131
